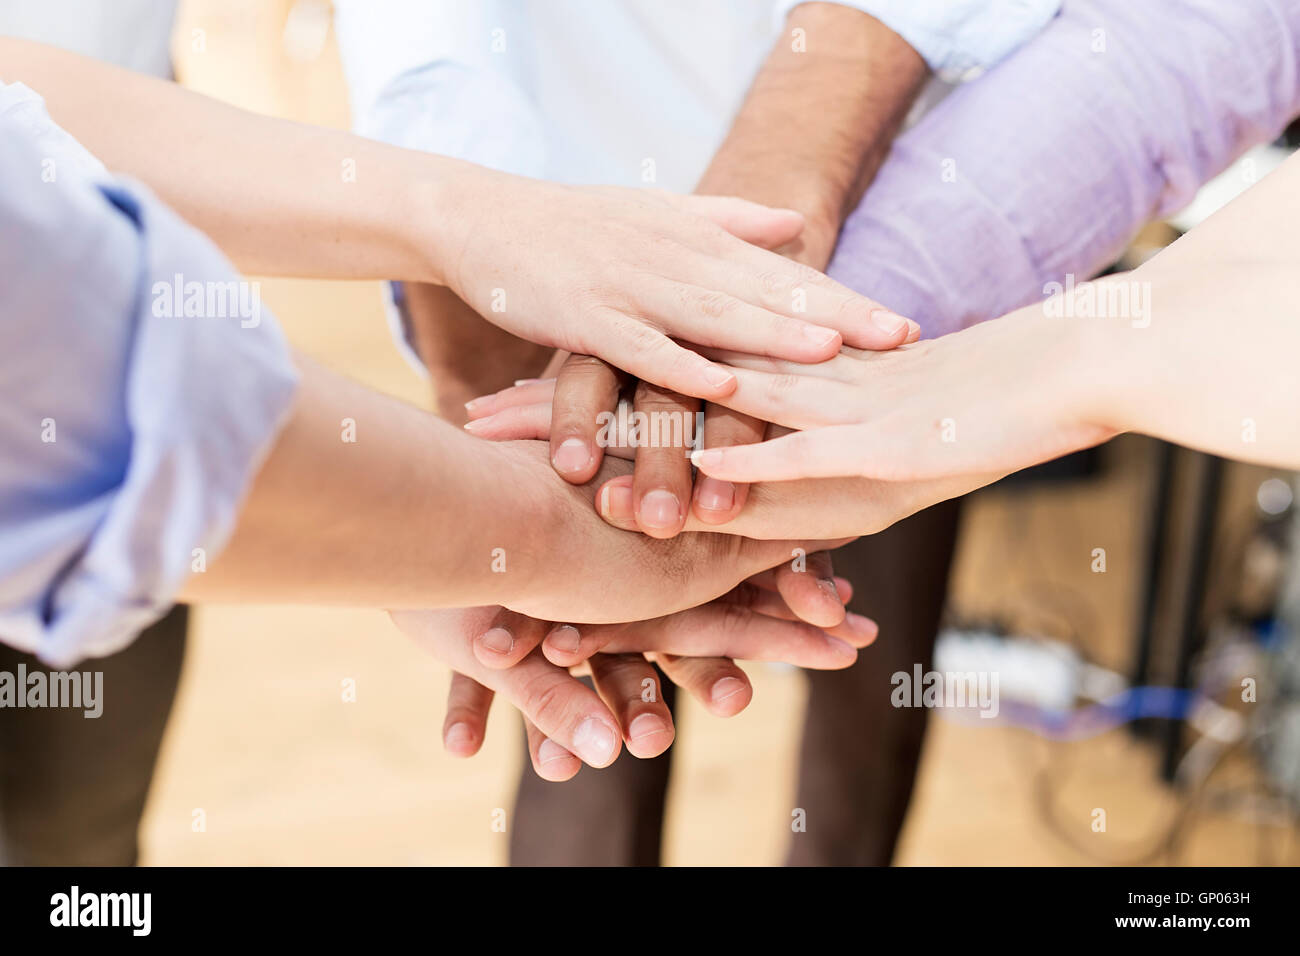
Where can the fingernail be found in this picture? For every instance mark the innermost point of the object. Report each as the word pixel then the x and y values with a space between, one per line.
pixel 572 456
pixel 827 587
pixel 716 495
pixel 706 458
pixel 820 336
pixel 913 329
pixel 888 322
pixel 549 750
pixel 477 424
pixel 526 381
pixel 594 742
pixel 458 737
pixel 718 377
pixel 646 725
pixel 479 402
pixel 565 638
pixel 616 502
pixel 660 509
pixel 727 687
pixel 498 640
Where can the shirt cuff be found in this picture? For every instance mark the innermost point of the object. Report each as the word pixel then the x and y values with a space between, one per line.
pixel 958 39
pixel 205 398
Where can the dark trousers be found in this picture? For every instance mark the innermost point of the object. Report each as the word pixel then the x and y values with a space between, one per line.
pixel 72 789
pixel 859 753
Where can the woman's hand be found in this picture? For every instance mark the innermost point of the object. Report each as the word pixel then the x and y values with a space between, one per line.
pixel 821 508
pixel 621 273
pixel 994 398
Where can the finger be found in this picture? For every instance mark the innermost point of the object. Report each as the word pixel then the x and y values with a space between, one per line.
pixel 465 726
pixel 808 588
pixel 523 392
pixel 563 708
pixel 723 319
pixel 585 389
pixel 661 481
pixel 508 639
pixel 829 452
pixel 855 630
pixel 717 683
pixel 730 628
pixel 714 501
pixel 767 581
pixel 568 645
pixel 804 399
pixel 642 350
pixel 514 423
pixel 761 225
pixel 791 288
pixel 630 688
pixel 550 761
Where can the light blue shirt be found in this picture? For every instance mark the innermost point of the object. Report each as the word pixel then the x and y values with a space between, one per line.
pixel 141 384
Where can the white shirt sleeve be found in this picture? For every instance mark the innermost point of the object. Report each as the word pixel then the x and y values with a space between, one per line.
pixel 959 39
pixel 445 78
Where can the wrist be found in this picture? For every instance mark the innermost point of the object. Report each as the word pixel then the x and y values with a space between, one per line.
pixel 442 197
pixel 1103 359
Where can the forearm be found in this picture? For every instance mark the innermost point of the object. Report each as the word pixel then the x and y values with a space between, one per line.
pixel 367 501
pixel 817 123
pixel 1212 363
pixel 280 198
pixel 1011 183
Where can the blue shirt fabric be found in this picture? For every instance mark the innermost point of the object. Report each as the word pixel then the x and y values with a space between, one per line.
pixel 129 429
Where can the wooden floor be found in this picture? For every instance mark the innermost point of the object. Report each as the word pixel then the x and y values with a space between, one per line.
pixel 284 771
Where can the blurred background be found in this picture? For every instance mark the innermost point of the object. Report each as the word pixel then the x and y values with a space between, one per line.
pixel 1137 564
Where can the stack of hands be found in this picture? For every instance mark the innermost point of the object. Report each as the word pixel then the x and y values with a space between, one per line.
pixel 817 356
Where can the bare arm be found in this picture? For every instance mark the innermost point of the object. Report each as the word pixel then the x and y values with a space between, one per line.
pixel 818 121
pixel 367 501
pixel 622 274
pixel 1198 346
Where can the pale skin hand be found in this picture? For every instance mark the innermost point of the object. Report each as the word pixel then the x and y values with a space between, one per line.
pixel 818 508
pixel 1208 363
pixel 611 272
pixel 568 723
pixel 814 128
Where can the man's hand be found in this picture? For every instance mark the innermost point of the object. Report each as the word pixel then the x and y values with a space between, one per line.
pixel 568 723
pixel 573 567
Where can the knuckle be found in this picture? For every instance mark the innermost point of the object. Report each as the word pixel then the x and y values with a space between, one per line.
pixel 774 286
pixel 544 699
pixel 715 305
pixel 736 620
pixel 778 387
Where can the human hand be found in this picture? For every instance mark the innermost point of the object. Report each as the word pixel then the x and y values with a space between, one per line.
pixel 586 420
pixel 991 399
pixel 620 273
pixel 569 565
pixel 820 509
pixel 565 720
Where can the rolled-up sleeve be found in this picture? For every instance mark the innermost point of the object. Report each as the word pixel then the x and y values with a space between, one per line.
pixel 1011 184
pixel 958 39
pixel 142 383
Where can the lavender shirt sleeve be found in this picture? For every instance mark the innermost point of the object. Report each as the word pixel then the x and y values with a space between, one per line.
pixel 1049 164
